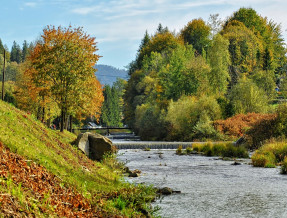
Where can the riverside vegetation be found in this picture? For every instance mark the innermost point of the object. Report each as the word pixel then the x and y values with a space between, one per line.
pixel 42 174
pixel 223 149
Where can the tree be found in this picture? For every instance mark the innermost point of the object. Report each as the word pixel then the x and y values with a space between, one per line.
pixel 215 24
pixel 111 115
pixel 25 50
pixel 16 53
pixel 244 48
pixel 246 97
pixel 61 69
pixel 189 116
pixel 268 32
pixel 197 34
pixel 219 61
pixel 163 41
pixel 1 47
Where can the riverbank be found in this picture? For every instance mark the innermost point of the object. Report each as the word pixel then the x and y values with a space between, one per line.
pixel 42 174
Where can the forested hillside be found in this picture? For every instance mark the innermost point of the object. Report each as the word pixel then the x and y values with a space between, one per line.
pixel 107 75
pixel 181 82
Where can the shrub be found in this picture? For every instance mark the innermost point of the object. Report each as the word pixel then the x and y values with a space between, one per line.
pixel 270 154
pixel 188 150
pixel 218 149
pixel 221 149
pixel 196 147
pixel 284 166
pixel 267 160
pixel 236 126
pixel 189 118
pixel 273 126
pixel 233 151
pixel 246 97
pixel 150 124
pixel 179 150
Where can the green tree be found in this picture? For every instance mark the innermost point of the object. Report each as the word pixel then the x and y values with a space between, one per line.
pixel 160 42
pixel 112 109
pixel 1 47
pixel 246 97
pixel 16 54
pixel 189 117
pixel 265 80
pixel 268 32
pixel 150 123
pixel 244 48
pixel 25 50
pixel 197 33
pixel 219 61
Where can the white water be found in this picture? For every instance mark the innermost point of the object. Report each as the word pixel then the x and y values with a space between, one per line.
pixel 210 187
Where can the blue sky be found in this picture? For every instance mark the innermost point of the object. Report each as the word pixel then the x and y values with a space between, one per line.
pixel 119 25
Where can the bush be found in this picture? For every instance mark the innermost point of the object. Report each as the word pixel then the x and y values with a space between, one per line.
pixel 150 124
pixel 221 149
pixel 236 126
pixel 190 118
pixel 196 147
pixel 270 154
pixel 284 166
pixel 218 149
pixel 179 150
pixel 246 97
pixel 233 151
pixel 188 150
pixel 266 160
pixel 272 126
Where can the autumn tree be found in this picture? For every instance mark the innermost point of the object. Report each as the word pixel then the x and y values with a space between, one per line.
pixel 62 70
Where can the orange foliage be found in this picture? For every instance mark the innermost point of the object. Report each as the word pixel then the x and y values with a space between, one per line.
pixel 66 201
pixel 61 70
pixel 236 126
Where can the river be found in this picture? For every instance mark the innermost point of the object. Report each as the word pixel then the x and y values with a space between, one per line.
pixel 210 187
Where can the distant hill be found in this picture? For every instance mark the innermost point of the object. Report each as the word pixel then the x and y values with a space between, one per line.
pixel 107 75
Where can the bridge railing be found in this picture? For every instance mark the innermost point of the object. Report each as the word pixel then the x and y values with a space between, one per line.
pixel 102 128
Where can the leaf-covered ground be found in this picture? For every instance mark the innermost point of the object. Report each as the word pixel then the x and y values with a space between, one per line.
pixel 18 174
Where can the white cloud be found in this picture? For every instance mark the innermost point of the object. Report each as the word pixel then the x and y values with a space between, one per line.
pixel 84 10
pixel 30 4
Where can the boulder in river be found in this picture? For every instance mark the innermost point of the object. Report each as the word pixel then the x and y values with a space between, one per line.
pixel 166 191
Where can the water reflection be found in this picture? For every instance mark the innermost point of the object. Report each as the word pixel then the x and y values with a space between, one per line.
pixel 210 187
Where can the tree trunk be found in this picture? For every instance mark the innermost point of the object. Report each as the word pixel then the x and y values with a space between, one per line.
pixel 3 79
pixel 62 120
pixel 43 114
pixel 71 123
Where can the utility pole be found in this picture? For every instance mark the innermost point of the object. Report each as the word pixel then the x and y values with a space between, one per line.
pixel 3 78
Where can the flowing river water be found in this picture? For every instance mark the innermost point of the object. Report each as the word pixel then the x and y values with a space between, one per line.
pixel 210 187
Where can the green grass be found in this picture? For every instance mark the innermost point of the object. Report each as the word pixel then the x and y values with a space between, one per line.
pixel 271 154
pixel 103 182
pixel 223 149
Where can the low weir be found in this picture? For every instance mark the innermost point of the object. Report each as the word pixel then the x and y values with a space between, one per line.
pixel 131 141
pixel 150 145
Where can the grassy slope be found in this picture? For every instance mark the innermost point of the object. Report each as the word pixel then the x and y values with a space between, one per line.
pixel 99 183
